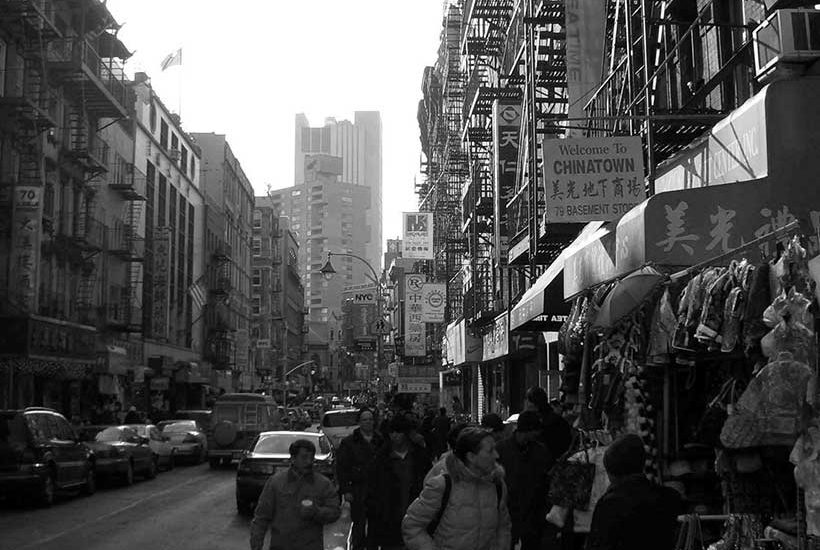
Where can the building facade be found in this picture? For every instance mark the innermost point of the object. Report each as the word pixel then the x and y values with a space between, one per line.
pixel 359 146
pixel 230 193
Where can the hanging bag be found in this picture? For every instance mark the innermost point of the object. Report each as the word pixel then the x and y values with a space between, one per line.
pixel 571 482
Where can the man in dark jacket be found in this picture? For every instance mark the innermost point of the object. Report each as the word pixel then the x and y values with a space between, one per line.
pixel 556 433
pixel 526 462
pixel 634 513
pixel 441 427
pixel 355 456
pixel 396 479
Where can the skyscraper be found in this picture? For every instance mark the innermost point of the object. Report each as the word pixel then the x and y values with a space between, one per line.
pixel 359 145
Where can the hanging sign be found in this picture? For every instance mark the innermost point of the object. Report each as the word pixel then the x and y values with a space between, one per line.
pixel 159 287
pixel 592 179
pixel 506 133
pixel 415 337
pixel 434 298
pixel 417 235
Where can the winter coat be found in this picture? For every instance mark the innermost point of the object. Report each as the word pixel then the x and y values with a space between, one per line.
pixel 279 509
pixel 354 458
pixel 473 518
pixel 635 514
pixel 440 467
pixel 525 470
pixel 388 497
pixel 556 434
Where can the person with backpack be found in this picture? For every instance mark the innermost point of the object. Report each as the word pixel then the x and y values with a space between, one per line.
pixel 464 507
pixel 526 462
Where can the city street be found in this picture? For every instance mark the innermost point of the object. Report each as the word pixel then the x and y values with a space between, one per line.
pixel 189 507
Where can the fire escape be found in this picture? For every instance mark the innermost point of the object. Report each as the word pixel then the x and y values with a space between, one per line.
pixel 485 27
pixel 535 62
pixel 674 70
pixel 221 332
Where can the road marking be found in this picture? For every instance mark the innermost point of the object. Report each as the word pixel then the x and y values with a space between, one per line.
pixel 111 514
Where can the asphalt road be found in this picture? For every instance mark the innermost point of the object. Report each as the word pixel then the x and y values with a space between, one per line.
pixel 188 508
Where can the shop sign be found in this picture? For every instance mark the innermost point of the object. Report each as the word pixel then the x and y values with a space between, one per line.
pixel 24 254
pixel 434 299
pixel 592 179
pixel 366 344
pixel 242 348
pixel 736 150
pixel 497 341
pixel 60 339
pixel 590 265
pixel 417 235
pixel 462 347
pixel 405 387
pixel 683 228
pixel 393 370
pixel 160 383
pixel 263 343
pixel 506 134
pixel 415 337
pixel 161 267
pixel 523 343
pixel 584 43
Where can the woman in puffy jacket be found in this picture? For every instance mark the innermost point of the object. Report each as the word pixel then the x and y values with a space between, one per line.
pixel 474 517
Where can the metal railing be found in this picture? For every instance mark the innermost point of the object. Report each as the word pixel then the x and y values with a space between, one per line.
pixel 107 71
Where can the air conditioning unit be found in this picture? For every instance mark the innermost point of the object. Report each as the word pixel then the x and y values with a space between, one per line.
pixel 787 36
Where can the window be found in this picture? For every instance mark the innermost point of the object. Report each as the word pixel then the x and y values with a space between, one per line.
pixel 257 220
pixel 257 305
pixel 174 141
pixel 257 247
pixel 163 133
pixel 257 277
pixel 183 162
pixel 152 117
pixel 193 167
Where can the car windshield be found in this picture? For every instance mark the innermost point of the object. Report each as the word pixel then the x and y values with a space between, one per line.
pixel 278 444
pixel 109 434
pixel 12 429
pixel 177 427
pixel 339 419
pixel 141 429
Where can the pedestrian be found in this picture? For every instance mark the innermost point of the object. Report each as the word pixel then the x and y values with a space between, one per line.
pixel 355 457
pixel 556 433
pixel 441 465
pixel 295 504
pixel 458 408
pixel 132 417
pixel 634 513
pixel 493 423
pixel 473 515
pixel 441 428
pixel 526 462
pixel 396 479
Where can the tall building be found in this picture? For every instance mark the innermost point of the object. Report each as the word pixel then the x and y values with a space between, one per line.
pixel 359 145
pixel 230 193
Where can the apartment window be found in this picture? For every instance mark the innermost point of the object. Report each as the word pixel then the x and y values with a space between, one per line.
pixel 314 301
pixel 257 220
pixel 174 141
pixel 257 305
pixel 257 277
pixel 163 133
pixel 183 157
pixel 152 117
pixel 257 247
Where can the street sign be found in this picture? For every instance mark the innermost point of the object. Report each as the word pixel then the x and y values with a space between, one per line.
pixel 364 296
pixel 380 327
pixel 405 387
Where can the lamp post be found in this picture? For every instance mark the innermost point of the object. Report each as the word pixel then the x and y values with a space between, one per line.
pixel 328 272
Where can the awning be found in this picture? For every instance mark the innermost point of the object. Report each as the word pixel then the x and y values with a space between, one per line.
pixel 542 308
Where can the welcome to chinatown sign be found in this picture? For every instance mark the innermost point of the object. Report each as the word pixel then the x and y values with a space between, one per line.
pixel 592 179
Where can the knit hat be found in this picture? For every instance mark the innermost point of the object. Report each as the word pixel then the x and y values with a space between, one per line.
pixel 626 455
pixel 529 421
pixel 402 424
pixel 492 422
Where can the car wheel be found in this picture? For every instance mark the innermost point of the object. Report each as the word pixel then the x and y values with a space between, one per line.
pixel 128 477
pixel 214 463
pixel 151 473
pixel 48 490
pixel 203 455
pixel 243 507
pixel 172 461
pixel 226 461
pixel 90 486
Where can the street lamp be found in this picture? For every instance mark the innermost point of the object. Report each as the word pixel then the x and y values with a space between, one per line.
pixel 328 272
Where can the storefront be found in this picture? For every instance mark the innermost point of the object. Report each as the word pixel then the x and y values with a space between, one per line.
pixel 464 352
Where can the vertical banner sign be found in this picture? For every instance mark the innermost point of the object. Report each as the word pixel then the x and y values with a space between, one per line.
pixel 162 250
pixel 506 133
pixel 592 179
pixel 434 298
pixel 25 247
pixel 415 337
pixel 242 349
pixel 585 34
pixel 417 237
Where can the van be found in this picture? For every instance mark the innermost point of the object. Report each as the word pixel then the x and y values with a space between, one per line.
pixel 339 423
pixel 236 420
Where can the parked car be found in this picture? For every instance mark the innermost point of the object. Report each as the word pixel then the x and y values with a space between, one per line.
pixel 269 452
pixel 238 418
pixel 164 451
pixel 202 417
pixel 40 454
pixel 187 438
pixel 120 452
pixel 338 424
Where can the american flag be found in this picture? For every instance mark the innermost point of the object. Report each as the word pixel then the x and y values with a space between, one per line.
pixel 198 294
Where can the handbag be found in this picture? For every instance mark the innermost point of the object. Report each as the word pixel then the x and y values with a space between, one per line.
pixel 571 482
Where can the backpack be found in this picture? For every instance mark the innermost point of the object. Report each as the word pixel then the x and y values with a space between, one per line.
pixel 445 499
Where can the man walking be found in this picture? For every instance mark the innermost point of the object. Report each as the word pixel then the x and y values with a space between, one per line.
pixel 355 456
pixel 396 479
pixel 526 462
pixel 441 429
pixel 295 504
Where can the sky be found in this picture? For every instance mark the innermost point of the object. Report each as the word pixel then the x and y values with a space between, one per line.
pixel 248 66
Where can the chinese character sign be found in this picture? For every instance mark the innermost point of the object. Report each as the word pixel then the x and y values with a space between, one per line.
pixel 25 248
pixel 592 179
pixel 417 240
pixel 506 133
pixel 415 341
pixel 159 313
pixel 433 302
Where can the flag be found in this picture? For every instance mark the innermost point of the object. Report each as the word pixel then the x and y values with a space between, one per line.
pixel 173 58
pixel 198 294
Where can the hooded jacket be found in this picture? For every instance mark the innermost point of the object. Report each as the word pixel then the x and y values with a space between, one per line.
pixel 473 518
